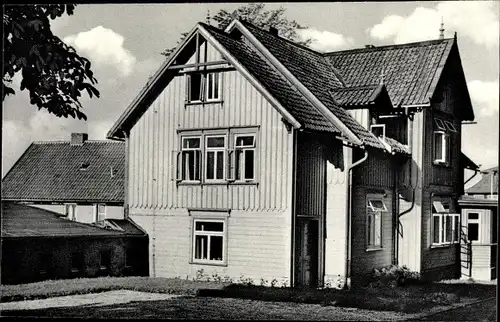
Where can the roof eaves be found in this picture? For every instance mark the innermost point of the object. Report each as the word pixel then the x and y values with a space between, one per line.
pixel 302 89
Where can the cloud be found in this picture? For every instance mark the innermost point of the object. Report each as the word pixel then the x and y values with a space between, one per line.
pixel 484 96
pixel 325 41
pixel 477 20
pixel 105 47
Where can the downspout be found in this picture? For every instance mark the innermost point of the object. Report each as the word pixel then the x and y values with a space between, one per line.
pixel 476 171
pixel 348 216
pixel 126 174
pixel 395 205
pixel 294 206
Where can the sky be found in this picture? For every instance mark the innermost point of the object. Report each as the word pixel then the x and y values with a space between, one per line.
pixel 124 43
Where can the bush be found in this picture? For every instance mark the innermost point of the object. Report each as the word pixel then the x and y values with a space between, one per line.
pixel 394 275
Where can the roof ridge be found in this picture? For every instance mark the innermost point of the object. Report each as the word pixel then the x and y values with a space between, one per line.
pixel 359 87
pixel 389 47
pixel 285 39
pixel 69 141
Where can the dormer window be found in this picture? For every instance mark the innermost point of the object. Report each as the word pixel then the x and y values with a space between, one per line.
pixel 203 87
pixel 378 130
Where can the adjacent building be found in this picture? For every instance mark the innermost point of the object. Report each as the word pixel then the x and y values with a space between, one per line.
pixel 81 179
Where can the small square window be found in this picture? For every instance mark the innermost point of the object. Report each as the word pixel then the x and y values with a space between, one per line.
pixel 378 130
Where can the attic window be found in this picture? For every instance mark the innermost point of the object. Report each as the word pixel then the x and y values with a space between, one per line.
pixel 439 124
pixel 84 166
pixel 378 130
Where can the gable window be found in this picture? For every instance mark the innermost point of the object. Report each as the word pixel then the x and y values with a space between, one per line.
pixel 209 241
pixel 445 224
pixel 101 212
pixel 215 151
pixel 191 158
pixel 374 211
pixel 70 211
pixel 204 87
pixel 244 149
pixel 441 147
pixel 473 224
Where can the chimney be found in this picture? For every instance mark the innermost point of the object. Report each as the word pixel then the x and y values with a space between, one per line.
pixel 369 46
pixel 78 138
pixel 273 31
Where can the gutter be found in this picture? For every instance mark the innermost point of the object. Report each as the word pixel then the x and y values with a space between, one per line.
pixel 476 171
pixel 348 216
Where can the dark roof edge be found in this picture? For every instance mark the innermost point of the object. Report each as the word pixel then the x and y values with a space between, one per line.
pixel 17 161
pixel 61 201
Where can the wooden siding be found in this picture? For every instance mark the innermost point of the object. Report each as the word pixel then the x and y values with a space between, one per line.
pixel 363 260
pixel 377 170
pixel 442 175
pixel 257 244
pixel 409 240
pixel 154 137
pixel 486 227
pixel 362 116
pixel 335 239
pixel 311 176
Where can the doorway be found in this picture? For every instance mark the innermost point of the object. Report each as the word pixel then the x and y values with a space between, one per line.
pixel 307 254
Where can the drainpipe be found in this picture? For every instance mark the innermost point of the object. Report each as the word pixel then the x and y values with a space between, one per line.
pixel 348 216
pixel 476 171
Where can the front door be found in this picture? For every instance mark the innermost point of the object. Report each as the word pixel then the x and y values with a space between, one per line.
pixel 307 252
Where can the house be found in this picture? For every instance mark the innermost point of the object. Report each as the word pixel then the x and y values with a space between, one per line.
pixel 38 244
pixel 249 155
pixel 80 179
pixel 479 209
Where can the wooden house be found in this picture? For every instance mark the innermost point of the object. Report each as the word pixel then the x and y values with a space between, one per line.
pixel 247 154
pixel 80 179
pixel 479 210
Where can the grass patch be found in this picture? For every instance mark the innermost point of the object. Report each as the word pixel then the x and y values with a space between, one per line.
pixel 51 288
pixel 405 299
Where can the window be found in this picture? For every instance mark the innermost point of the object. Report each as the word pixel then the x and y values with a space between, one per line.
pixel 445 225
pixel 439 124
pixel 209 241
pixel 378 130
pixel 104 259
pixel 450 126
pixel 216 156
pixel 375 208
pixel 70 211
pixel 441 147
pixel 101 212
pixel 473 224
pixel 76 262
pixel 244 149
pixel 203 87
pixel 215 151
pixel 191 157
pixel 213 89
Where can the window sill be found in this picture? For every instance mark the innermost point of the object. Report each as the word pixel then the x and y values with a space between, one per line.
pixel 435 246
pixel 208 263
pixel 442 164
pixel 221 183
pixel 374 249
pixel 203 102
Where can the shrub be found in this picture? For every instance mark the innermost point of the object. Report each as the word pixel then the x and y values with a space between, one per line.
pixel 394 275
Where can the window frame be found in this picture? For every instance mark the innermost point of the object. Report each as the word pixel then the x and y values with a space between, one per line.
pixel 200 161
pixel 371 227
pixel 208 88
pixel 450 126
pixel 98 214
pixel 207 217
pixel 443 214
pixel 215 150
pixel 382 126
pixel 445 148
pixel 244 149
pixel 474 221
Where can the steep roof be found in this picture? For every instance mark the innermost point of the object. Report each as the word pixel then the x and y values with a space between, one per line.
pixel 411 71
pixel 485 185
pixel 25 221
pixel 62 172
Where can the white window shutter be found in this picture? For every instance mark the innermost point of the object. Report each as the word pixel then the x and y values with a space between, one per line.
pixel 175 166
pixel 230 165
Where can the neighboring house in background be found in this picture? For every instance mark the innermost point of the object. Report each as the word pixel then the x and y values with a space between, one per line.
pixel 38 244
pixel 480 226
pixel 248 154
pixel 81 180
